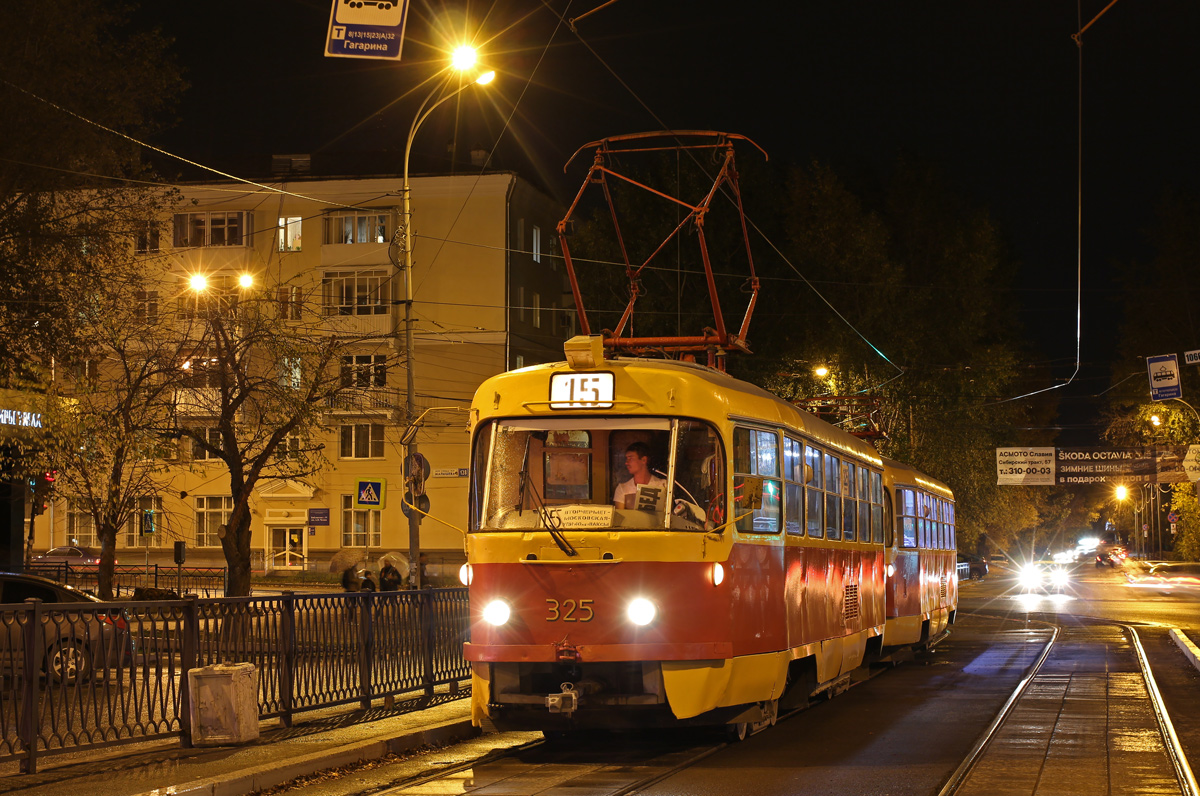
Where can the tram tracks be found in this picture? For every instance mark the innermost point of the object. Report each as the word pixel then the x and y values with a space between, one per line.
pixel 1074 748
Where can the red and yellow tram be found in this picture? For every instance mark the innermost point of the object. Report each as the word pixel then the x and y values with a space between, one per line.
pixel 655 542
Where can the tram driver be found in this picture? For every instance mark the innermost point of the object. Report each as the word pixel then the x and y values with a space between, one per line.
pixel 637 462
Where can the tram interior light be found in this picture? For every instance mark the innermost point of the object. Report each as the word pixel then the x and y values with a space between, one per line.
pixel 641 611
pixel 496 613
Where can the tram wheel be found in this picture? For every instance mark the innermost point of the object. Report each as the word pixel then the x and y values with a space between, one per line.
pixel 737 732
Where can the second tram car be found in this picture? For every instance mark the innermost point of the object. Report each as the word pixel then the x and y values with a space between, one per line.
pixel 654 542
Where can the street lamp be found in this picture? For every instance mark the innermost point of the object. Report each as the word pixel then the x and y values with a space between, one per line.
pixel 463 59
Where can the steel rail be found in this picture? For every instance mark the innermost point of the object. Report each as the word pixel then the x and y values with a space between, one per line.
pixel 981 744
pixel 1183 771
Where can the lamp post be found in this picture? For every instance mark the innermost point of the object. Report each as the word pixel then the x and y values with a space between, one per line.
pixel 464 59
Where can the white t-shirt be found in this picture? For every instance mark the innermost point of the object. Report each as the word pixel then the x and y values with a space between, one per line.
pixel 629 487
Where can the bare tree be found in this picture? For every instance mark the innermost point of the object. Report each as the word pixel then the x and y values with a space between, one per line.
pixel 262 374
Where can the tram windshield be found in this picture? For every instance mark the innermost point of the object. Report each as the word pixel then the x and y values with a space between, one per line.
pixel 601 473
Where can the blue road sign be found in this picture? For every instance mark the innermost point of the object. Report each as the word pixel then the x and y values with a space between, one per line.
pixel 318 516
pixel 1164 377
pixel 366 29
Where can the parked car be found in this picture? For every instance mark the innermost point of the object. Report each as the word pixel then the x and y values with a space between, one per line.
pixel 77 643
pixel 1168 577
pixel 75 555
pixel 978 564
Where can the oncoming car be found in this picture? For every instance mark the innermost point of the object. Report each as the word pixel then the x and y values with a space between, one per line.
pixel 1043 577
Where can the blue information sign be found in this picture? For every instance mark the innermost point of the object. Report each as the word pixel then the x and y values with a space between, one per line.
pixel 318 516
pixel 366 29
pixel 1164 377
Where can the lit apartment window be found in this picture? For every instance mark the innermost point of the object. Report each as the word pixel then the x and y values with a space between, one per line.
pixel 212 229
pixel 81 526
pixel 355 292
pixel 211 514
pixel 201 370
pixel 362 441
pixel 357 228
pixel 291 372
pixel 537 244
pixel 360 527
pixel 364 370
pixel 289 234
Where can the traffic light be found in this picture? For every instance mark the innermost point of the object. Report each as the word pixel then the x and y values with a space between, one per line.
pixel 41 486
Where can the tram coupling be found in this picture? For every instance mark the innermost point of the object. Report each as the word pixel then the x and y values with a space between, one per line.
pixel 566 702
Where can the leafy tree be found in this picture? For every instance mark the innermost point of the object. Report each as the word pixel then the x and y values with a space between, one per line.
pixel 67 213
pixel 107 415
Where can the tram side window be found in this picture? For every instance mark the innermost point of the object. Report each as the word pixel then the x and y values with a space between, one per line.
pixel 793 471
pixel 922 521
pixel 952 526
pixel 833 497
pixel 906 517
pixel 756 453
pixel 814 494
pixel 849 504
pixel 877 518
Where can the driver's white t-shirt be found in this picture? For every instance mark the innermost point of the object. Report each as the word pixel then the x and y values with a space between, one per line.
pixel 629 487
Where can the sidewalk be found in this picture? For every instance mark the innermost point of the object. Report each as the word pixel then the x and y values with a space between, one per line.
pixel 280 755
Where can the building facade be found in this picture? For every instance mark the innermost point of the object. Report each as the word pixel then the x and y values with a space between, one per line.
pixel 488 295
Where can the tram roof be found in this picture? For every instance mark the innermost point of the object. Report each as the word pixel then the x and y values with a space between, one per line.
pixel 906 474
pixel 724 396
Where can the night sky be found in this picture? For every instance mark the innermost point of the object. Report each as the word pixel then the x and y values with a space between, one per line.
pixel 987 91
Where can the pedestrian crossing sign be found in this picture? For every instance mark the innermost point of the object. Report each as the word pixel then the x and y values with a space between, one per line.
pixel 371 494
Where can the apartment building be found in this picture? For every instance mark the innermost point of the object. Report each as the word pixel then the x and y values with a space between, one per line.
pixel 488 295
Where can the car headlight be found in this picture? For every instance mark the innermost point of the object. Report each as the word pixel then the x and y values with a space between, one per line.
pixel 641 611
pixel 1030 577
pixel 496 612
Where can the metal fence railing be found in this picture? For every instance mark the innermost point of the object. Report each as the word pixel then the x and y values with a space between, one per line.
pixel 203 581
pixel 101 674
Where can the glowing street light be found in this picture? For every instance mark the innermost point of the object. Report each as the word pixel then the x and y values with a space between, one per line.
pixel 246 280
pixel 198 283
pixel 463 59
pixel 821 371
pixel 1122 492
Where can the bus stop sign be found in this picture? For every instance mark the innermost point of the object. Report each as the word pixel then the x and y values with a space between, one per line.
pixel 366 29
pixel 1164 377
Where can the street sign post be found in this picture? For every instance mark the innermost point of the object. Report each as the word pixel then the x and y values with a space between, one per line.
pixel 366 30
pixel 1164 377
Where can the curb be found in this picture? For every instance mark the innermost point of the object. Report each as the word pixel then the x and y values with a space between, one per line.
pixel 269 775
pixel 1185 644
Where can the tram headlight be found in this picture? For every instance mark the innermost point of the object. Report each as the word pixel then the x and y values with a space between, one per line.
pixel 1058 578
pixel 891 570
pixel 465 574
pixel 1031 576
pixel 718 573
pixel 496 613
pixel 641 611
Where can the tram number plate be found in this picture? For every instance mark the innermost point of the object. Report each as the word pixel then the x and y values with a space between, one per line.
pixel 569 610
pixel 581 391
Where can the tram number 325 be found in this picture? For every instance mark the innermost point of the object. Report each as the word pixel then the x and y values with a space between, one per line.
pixel 569 610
